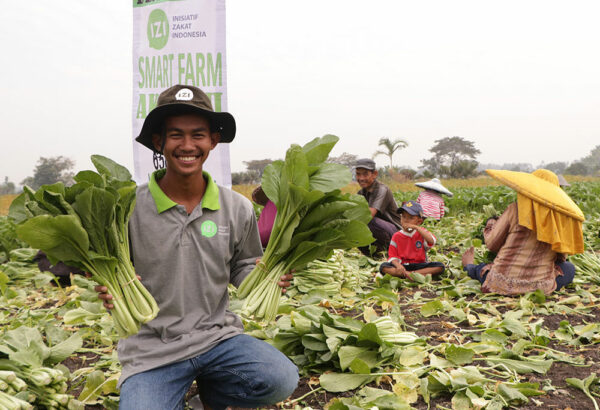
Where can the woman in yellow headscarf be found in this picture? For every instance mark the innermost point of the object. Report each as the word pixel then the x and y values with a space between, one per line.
pixel 530 238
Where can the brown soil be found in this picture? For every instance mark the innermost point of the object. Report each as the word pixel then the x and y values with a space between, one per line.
pixel 439 329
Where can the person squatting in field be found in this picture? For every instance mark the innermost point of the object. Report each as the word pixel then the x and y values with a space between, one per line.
pixel 189 239
pixel 529 259
pixel 266 220
pixel 408 248
pixel 383 207
pixel 431 198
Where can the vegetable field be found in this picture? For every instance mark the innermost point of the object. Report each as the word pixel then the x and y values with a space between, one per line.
pixel 361 341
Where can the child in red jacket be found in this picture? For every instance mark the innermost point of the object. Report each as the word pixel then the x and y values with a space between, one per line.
pixel 408 248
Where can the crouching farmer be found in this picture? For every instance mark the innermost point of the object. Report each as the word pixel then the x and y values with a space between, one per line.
pixel 531 237
pixel 408 247
pixel 189 239
pixel 384 210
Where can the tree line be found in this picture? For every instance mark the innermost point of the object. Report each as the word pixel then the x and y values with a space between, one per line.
pixel 451 157
pixel 48 170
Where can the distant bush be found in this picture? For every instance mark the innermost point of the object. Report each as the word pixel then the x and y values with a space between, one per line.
pixel 246 177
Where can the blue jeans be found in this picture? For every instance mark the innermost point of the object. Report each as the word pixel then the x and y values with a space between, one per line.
pixel 568 269
pixel 241 371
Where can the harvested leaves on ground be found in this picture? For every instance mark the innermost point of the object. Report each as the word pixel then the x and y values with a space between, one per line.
pixel 359 340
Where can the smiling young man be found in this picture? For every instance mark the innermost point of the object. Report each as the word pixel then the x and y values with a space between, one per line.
pixel 386 219
pixel 189 239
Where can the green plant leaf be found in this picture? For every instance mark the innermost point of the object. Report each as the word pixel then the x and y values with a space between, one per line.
pixel 412 356
pixel 89 177
pixel 584 385
pixel 494 335
pixel 523 366
pixel 370 333
pixel 329 177
pixel 511 395
pixel 434 307
pixel 16 210
pixel 340 382
pixel 61 238
pixel 315 342
pixel 3 282
pixel 389 401
pixel 528 389
pixel 64 349
pixel 359 366
pixel 107 166
pixel 459 355
pixel 93 388
pixel 271 181
pixel 347 354
pixel 96 210
pixel 460 401
pixel 318 149
pixel 383 295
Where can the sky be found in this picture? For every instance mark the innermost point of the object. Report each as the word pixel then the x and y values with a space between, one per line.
pixel 521 79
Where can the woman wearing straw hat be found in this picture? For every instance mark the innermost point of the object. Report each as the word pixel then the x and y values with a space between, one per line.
pixel 431 199
pixel 531 237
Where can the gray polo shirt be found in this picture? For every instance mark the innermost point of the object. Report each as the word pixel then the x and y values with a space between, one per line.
pixel 186 262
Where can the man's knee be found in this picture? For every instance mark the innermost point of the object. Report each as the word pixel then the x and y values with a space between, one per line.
pixel 386 267
pixel 280 382
pixel 439 266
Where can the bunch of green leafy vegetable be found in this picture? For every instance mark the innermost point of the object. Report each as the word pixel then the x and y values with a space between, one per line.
pixel 317 340
pixel 313 218
pixel 86 225
pixel 32 367
pixel 330 275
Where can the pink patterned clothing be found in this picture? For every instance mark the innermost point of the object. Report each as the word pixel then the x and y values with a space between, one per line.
pixel 432 203
pixel 265 222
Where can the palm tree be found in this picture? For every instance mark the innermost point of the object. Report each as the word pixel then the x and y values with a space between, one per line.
pixel 391 147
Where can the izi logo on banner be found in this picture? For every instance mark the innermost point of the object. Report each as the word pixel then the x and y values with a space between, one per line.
pixel 158 29
pixel 178 42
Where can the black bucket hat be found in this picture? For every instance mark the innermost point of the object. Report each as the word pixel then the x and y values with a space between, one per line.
pixel 185 99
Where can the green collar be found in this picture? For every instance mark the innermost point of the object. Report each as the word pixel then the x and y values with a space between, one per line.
pixel 163 202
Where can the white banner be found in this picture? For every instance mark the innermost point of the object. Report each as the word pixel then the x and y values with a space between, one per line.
pixel 178 42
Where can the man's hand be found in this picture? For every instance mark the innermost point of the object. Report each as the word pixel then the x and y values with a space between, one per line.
pixel 105 296
pixel 285 281
pixel 103 293
pixel 398 270
pixel 401 272
pixel 411 227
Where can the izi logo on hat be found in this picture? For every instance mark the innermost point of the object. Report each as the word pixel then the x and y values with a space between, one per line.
pixel 185 94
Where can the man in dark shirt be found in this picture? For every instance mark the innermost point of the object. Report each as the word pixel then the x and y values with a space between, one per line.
pixel 386 219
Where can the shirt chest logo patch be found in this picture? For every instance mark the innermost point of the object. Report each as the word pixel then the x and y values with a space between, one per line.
pixel 419 244
pixel 208 229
